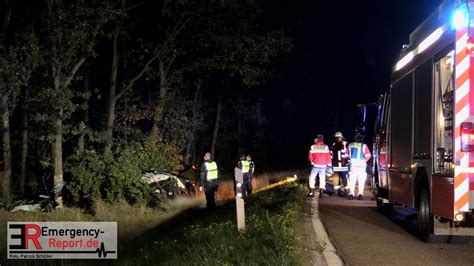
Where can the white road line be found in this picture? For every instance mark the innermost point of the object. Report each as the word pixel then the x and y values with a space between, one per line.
pixel 328 250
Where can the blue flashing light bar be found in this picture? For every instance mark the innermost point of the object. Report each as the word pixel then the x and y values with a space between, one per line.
pixel 460 17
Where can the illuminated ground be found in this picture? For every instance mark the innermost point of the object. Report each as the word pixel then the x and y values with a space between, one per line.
pixel 363 236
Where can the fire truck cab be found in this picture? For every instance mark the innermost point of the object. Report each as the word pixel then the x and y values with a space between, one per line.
pixel 424 136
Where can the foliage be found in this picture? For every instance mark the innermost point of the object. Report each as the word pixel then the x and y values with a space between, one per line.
pixel 90 176
pixel 17 64
pixel 58 44
pixel 86 176
pixel 69 34
pixel 239 47
pixel 177 124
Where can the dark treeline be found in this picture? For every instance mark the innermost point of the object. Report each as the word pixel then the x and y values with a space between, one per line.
pixel 94 93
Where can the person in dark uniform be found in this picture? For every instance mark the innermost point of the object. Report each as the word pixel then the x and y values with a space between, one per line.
pixel 209 180
pixel 340 163
pixel 252 165
pixel 244 165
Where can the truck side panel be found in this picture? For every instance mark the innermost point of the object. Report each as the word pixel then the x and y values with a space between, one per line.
pixel 400 178
pixel 442 200
pixel 422 114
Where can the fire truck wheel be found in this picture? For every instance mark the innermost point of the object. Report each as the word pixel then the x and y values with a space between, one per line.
pixel 425 220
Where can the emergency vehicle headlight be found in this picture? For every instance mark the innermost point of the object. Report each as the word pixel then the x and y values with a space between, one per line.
pixel 460 18
pixel 467 137
pixel 459 217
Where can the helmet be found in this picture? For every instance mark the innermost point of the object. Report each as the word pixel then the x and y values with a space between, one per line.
pixel 338 135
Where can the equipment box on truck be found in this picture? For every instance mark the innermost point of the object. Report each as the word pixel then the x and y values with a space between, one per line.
pixel 424 141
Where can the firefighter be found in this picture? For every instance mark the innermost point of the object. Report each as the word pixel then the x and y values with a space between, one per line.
pixel 209 180
pixel 340 158
pixel 359 155
pixel 244 165
pixel 320 158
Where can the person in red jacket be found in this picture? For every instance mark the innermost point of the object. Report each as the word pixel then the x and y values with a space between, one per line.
pixel 320 158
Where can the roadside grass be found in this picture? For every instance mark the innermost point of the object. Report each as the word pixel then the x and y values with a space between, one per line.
pixel 132 221
pixel 183 235
pixel 211 238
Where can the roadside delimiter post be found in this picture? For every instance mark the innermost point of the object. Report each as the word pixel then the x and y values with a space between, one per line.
pixel 239 201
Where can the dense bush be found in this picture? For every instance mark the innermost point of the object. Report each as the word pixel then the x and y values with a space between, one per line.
pixel 123 178
pixel 90 176
pixel 84 177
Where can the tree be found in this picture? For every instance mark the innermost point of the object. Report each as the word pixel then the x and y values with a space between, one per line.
pixel 174 20
pixel 241 53
pixel 72 31
pixel 13 77
pixel 14 48
pixel 196 121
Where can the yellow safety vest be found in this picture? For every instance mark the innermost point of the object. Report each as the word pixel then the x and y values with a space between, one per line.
pixel 245 166
pixel 211 168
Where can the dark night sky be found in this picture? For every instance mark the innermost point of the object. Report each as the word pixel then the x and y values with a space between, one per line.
pixel 343 53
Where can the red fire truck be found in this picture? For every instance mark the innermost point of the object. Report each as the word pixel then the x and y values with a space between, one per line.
pixel 424 139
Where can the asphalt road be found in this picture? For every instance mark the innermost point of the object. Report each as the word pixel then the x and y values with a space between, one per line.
pixel 363 236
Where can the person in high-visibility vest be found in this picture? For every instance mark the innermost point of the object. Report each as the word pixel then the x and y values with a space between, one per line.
pixel 320 159
pixel 244 165
pixel 209 180
pixel 359 155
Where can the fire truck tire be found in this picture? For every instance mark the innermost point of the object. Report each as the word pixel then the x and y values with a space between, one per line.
pixel 425 220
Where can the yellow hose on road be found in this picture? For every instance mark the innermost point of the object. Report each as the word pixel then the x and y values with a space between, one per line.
pixel 267 187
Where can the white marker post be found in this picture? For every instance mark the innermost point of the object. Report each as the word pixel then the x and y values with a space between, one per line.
pixel 239 201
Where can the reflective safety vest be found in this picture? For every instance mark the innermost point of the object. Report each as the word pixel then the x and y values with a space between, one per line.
pixel 359 154
pixel 211 168
pixel 319 155
pixel 245 166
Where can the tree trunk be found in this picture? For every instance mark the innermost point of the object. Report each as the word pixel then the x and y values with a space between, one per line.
pixel 7 172
pixel 57 147
pixel 24 153
pixel 7 12
pixel 112 98
pixel 216 126
pixel 160 104
pixel 80 141
pixel 82 125
pixel 110 127
pixel 189 145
